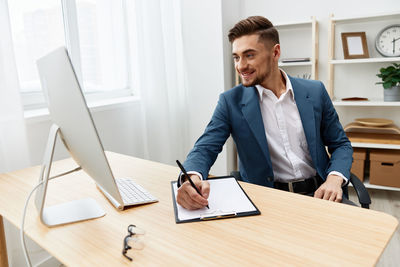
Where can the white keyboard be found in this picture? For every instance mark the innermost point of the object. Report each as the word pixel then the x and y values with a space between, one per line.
pixel 132 193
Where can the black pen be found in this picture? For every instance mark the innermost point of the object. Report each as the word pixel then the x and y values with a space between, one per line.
pixel 188 177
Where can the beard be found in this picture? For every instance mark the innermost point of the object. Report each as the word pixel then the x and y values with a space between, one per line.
pixel 257 80
pixel 263 73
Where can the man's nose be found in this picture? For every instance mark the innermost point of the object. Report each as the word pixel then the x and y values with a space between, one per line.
pixel 242 64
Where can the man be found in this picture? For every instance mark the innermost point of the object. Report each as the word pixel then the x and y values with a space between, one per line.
pixel 280 124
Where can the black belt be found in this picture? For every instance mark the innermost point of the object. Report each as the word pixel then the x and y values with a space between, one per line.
pixel 304 186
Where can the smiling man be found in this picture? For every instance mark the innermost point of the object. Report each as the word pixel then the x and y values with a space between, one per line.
pixel 281 126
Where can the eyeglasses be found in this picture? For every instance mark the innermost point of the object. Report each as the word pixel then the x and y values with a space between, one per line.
pixel 132 241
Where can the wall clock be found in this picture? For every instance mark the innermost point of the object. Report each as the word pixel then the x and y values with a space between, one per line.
pixel 387 41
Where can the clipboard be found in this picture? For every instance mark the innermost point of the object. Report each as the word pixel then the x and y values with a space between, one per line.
pixel 227 199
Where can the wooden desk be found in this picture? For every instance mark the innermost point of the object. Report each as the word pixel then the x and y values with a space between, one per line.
pixel 292 229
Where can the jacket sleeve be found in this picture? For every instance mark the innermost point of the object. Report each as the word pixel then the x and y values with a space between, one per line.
pixel 211 142
pixel 335 139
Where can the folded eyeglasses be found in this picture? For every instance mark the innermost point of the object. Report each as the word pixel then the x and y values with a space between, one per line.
pixel 132 241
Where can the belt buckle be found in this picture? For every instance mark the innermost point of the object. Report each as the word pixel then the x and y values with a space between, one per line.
pixel 290 184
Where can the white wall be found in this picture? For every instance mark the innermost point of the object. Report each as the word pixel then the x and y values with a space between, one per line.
pixel 230 14
pixel 203 52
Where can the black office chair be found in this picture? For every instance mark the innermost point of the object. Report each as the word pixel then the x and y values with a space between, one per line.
pixel 359 187
pixel 361 191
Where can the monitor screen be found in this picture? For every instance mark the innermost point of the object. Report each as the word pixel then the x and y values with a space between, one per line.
pixel 68 110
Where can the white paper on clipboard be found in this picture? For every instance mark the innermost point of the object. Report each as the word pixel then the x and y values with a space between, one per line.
pixel 226 199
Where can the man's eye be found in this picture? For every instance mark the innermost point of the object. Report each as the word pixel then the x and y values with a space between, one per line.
pixel 250 55
pixel 235 58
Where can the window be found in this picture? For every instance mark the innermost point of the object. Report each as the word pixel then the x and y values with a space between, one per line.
pixel 95 34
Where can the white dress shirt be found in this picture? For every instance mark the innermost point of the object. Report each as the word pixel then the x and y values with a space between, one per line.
pixel 287 142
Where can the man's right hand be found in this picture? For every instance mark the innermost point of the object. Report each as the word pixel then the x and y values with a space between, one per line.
pixel 187 196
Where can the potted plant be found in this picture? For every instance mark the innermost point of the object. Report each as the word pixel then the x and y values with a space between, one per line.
pixel 391 82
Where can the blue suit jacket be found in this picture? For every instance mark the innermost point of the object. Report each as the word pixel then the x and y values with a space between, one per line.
pixel 238 114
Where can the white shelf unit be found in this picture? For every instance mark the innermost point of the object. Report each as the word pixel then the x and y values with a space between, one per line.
pixel 365 67
pixel 357 77
pixel 299 36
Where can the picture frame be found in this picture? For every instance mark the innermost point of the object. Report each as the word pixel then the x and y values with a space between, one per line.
pixel 354 45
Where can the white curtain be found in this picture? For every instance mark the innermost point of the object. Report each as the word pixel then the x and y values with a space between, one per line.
pixel 159 69
pixel 13 143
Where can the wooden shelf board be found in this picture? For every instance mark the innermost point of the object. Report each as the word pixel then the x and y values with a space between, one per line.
pixel 292 23
pixel 377 103
pixel 375 145
pixel 364 60
pixel 289 64
pixel 375 140
pixel 380 16
pixel 380 187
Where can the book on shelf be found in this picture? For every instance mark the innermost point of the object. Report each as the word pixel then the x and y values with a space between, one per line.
pixel 298 59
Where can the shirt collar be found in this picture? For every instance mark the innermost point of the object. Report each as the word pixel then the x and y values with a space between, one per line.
pixel 289 87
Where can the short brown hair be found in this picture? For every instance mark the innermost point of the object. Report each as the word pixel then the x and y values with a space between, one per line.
pixel 255 25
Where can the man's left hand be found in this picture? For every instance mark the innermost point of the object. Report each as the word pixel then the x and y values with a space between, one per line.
pixel 331 189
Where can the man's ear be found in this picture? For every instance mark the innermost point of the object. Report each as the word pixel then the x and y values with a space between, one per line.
pixel 276 51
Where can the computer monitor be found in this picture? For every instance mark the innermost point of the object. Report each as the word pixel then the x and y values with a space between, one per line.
pixel 74 124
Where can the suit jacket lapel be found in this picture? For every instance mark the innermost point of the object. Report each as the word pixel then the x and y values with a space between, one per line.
pixel 306 110
pixel 252 113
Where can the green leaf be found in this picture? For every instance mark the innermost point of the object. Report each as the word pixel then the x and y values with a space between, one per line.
pixel 387 85
pixel 389 70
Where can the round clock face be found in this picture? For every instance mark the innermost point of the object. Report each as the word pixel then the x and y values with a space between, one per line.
pixel 388 41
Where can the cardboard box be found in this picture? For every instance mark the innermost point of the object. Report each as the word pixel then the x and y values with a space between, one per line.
pixel 359 156
pixel 385 167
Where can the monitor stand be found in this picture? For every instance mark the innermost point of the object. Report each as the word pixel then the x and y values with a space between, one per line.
pixel 69 212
